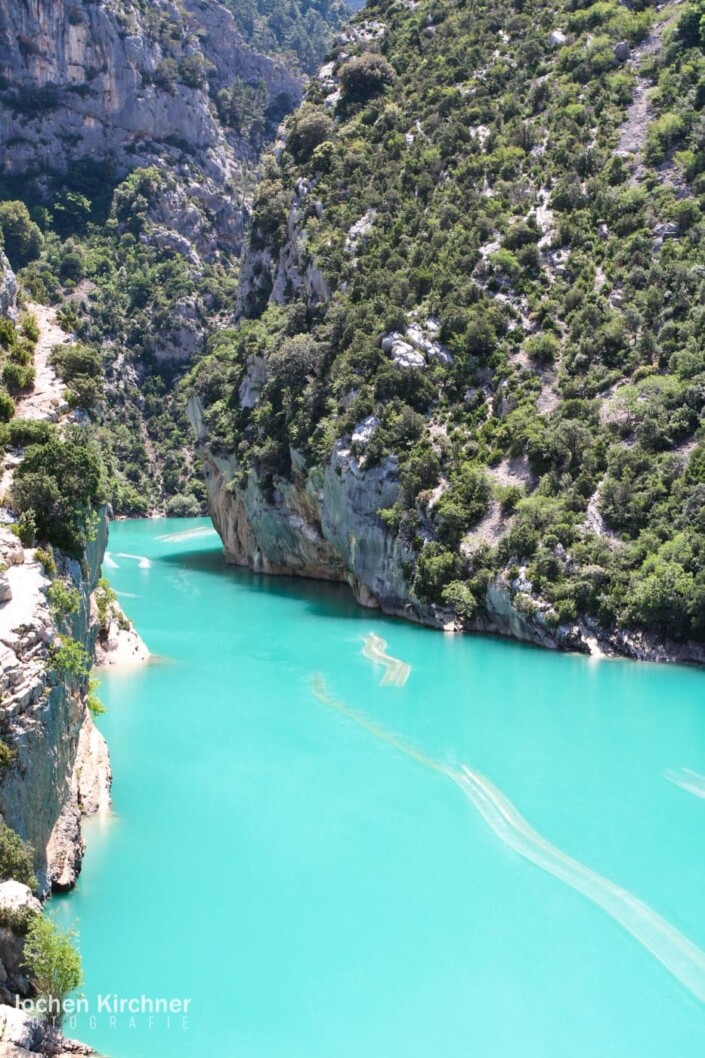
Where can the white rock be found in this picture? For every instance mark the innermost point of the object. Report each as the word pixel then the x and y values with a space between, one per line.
pixel 404 355
pixel 14 897
pixel 557 38
pixel 363 431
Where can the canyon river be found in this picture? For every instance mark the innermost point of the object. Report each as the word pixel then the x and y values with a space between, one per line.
pixel 339 835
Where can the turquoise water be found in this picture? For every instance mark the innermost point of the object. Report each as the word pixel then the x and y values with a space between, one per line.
pixel 318 892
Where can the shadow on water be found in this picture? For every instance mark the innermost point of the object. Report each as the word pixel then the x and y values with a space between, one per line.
pixel 321 597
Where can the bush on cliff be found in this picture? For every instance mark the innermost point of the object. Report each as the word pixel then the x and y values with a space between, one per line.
pixel 54 964
pixel 15 857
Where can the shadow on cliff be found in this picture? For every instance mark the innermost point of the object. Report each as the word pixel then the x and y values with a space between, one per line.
pixel 324 598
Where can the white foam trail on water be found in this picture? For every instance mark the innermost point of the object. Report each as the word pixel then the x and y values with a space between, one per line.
pixel 396 672
pixel 188 534
pixel 689 780
pixel 679 955
pixel 109 561
pixel 127 595
pixel 141 560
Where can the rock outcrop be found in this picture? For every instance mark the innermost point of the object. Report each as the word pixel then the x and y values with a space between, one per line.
pixel 60 767
pixel 22 1036
pixel 8 288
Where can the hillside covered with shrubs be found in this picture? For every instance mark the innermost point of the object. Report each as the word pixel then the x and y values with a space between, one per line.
pixel 479 252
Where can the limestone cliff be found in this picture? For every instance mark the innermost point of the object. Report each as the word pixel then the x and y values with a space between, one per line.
pixel 131 86
pixel 60 767
pixel 324 523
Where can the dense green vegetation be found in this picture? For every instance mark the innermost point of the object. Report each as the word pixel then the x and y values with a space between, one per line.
pixel 478 142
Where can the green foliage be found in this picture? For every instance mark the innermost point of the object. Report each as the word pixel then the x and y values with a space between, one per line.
pixel 494 207
pixel 70 658
pixel 307 129
pixel 105 597
pixel 21 237
pixel 24 432
pixel 7 406
pixel 64 599
pixel 16 857
pixel 54 964
pixel 462 505
pixel 93 702
pixel 47 560
pixel 61 485
pixel 365 76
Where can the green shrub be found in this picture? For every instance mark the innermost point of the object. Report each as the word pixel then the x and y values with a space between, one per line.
pixel 542 348
pixel 105 597
pixel 307 130
pixel 29 327
pixel 7 406
pixel 61 483
pixel 17 378
pixel 7 754
pixel 23 432
pixel 54 964
pixel 70 658
pixel 64 598
pixel 365 76
pixel 47 560
pixel 21 237
pixel 95 706
pixel 16 857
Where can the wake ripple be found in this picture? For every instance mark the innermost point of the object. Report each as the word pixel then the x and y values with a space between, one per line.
pixel 679 955
pixel 692 781
pixel 188 534
pixel 396 672
pixel 142 561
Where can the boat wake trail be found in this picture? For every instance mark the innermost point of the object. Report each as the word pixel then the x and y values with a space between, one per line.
pixel 396 672
pixel 680 956
pixel 141 560
pixel 188 534
pixel 692 781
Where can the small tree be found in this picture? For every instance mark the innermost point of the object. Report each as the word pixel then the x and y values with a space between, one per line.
pixel 365 76
pixel 22 238
pixel 54 963
pixel 15 857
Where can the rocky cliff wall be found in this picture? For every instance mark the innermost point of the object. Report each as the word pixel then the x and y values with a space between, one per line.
pixel 134 86
pixel 84 79
pixel 325 524
pixel 60 768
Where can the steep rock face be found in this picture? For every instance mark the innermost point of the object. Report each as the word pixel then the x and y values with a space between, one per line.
pixel 61 768
pixel 325 524
pixel 110 82
pixel 83 79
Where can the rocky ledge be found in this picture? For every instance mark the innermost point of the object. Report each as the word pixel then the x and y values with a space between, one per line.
pixel 22 1037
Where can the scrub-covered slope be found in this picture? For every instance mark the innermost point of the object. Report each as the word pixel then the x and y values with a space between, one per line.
pixel 131 131
pixel 470 371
